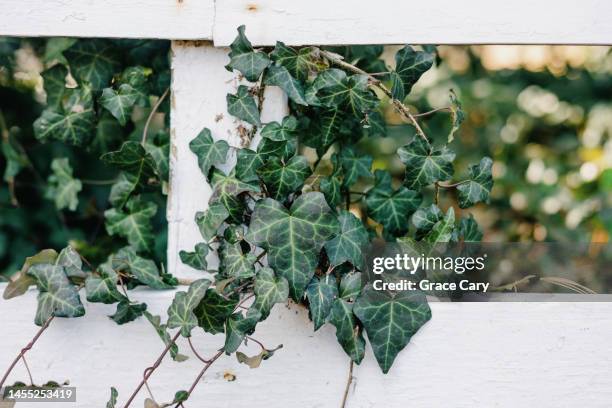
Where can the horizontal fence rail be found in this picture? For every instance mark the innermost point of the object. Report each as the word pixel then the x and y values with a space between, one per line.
pixel 317 21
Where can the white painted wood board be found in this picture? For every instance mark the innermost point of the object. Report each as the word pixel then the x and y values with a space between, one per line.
pixel 415 22
pixel 317 21
pixel 200 84
pixel 179 19
pixel 545 355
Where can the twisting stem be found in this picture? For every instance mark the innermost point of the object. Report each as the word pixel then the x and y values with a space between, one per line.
pixel 452 185
pixel 149 371
pixel 202 359
pixel 26 349
pixel 25 363
pixel 403 109
pixel 256 341
pixel 348 384
pixel 151 114
pixel 418 115
pixel 200 375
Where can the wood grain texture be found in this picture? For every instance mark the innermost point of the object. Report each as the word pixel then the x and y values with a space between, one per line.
pixel 413 22
pixel 179 19
pixel 544 355
pixel 200 85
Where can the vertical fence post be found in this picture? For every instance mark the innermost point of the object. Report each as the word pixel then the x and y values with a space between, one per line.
pixel 200 84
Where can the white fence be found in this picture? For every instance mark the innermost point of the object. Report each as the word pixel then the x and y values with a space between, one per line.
pixel 500 354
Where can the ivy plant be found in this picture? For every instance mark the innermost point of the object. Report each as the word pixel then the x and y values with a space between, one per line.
pixel 289 221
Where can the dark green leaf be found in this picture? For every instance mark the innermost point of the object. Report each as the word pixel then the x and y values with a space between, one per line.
pixel 442 231
pixel 197 258
pixel 141 268
pixel 134 160
pixel 243 58
pixel 209 152
pixel 133 223
pixel 242 105
pixel 390 321
pixel 351 93
pixel 136 77
pixel 112 402
pixel 331 188
pixel 103 288
pixel 236 329
pixel 226 190
pixel 293 237
pixel 354 166
pixel 62 187
pixel 279 76
pixel 348 245
pixel 468 230
pixel 127 312
pixel 213 310
pixel 321 293
pixel 92 61
pixel 119 103
pixel 286 130
pixel 479 185
pixel 162 332
pixel 234 263
pixel 54 82
pixel 348 333
pixel 57 296
pixel 73 123
pixel 299 63
pixel 269 290
pixel 425 218
pixel 424 164
pixel 457 115
pixel 350 285
pixel 180 312
pixel 210 220
pixel 391 208
pixel 409 66
pixel 282 179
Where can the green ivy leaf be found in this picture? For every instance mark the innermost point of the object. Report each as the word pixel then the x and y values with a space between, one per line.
pixel 21 281
pixel 376 125
pixel 211 220
pixel 269 290
pixel 234 263
pixel 112 402
pixel 162 332
pixel 180 312
pixel 457 115
pixel 127 312
pixel 321 293
pixel 331 188
pixel 350 285
pixel 62 187
pixel 282 179
pixel 209 152
pixel 354 166
pixel 180 396
pixel 57 296
pixel 15 156
pixel 351 93
pixel 103 288
pixel 348 245
pixel 293 237
pixel 70 259
pixel 348 332
pixel 390 321
pixel 325 129
pixel 93 62
pixel 469 231
pixel 119 103
pixel 136 77
pixel 409 66
pixel 284 131
pixel 243 58
pixel 391 208
pixel 134 223
pixel 159 149
pixel 138 167
pixel 424 164
pixel 242 105
pixel 478 186
pixel 73 123
pixel 197 258
pixel 226 190
pixel 143 269
pixel 213 310
pixel 279 76
pixel 236 329
pixel 425 218
pixel 326 79
pixel 442 231
pixel 299 63
pixel 54 82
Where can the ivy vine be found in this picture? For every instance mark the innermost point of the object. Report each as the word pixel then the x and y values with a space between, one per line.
pixel 288 222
